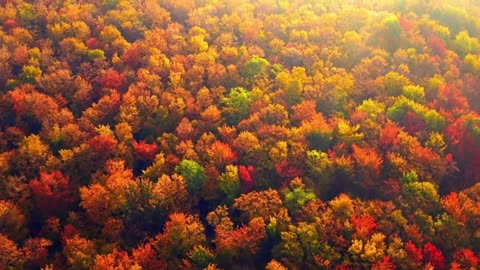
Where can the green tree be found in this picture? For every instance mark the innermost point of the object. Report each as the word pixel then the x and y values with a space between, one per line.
pixel 466 44
pixel 296 196
pixel 229 183
pixel 237 105
pixel 256 66
pixel 193 173
pixel 419 195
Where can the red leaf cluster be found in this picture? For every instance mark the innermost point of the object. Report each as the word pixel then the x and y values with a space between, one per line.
pixel 52 193
pixel 363 226
pixel 145 151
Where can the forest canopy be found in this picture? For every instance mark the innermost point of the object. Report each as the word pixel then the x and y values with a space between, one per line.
pixel 239 134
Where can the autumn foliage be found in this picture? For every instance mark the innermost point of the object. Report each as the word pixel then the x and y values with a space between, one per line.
pixel 201 134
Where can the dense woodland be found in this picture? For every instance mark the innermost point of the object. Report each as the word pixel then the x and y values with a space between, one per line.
pixel 239 134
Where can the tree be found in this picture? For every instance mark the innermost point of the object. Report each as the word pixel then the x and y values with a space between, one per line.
pixel 247 176
pixel 303 245
pixel 394 83
pixel 275 265
pixel 97 202
pixel 368 164
pixel 104 143
pixel 181 233
pixel 96 54
pixel 290 247
pixel 414 254
pixel 415 93
pixel 389 137
pixel 303 111
pixel 145 151
pixel 247 146
pixel 459 206
pixel 185 129
pixel 342 206
pixel 451 99
pixel 104 110
pixel 264 204
pixel 346 133
pixel 211 117
pixel 59 82
pixel 466 44
pixel 437 45
pixel 170 192
pixel 241 243
pixel 288 170
pixel 111 36
pixel 73 49
pixel 10 255
pixel 108 195
pixel 147 258
pixel 52 193
pixel 296 196
pixel 433 256
pixel 375 248
pixel 32 156
pixel 419 194
pixel 221 154
pixel 141 209
pixel 193 173
pixel 229 183
pixel 372 107
pixel 237 105
pixel 274 114
pixel 79 252
pixel 36 251
pixel 115 260
pixel 113 79
pixel 385 264
pixel 199 256
pixel 466 259
pixel 12 221
pixel 363 226
pixel 256 66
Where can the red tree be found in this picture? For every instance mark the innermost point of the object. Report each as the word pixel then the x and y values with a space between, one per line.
pixel 384 264
pixel 113 79
pixel 52 193
pixel 247 176
pixel 437 45
pixel 146 257
pixel 414 254
pixel 363 226
pixel 451 99
pixel 413 123
pixel 288 170
pixel 145 151
pixel 133 56
pixel 103 143
pixel 433 256
pixel 94 43
pixel 389 136
pixel 466 259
